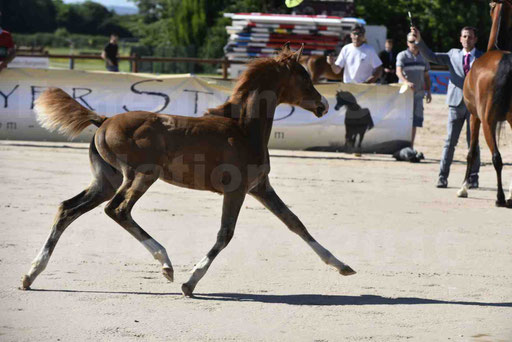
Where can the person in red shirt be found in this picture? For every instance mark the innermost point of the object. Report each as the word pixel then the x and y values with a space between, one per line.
pixel 7 48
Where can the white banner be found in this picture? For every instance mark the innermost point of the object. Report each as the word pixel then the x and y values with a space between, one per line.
pixel 36 62
pixel 377 115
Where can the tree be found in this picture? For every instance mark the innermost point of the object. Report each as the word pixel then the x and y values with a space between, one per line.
pixel 439 21
pixel 28 16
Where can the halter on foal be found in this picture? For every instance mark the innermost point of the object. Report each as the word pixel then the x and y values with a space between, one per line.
pixel 130 151
pixel 488 93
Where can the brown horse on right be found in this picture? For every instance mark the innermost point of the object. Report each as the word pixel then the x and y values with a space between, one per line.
pixel 488 93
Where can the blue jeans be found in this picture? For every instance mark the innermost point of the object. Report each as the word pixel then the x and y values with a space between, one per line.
pixel 458 115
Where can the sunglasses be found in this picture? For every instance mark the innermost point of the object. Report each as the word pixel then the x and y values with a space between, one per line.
pixel 358 33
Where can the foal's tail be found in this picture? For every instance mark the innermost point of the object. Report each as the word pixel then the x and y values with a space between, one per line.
pixel 503 87
pixel 57 110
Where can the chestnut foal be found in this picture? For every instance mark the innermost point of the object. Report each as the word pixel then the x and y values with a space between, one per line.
pixel 130 151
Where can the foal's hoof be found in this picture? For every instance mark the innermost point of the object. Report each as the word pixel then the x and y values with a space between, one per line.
pixel 462 193
pixel 25 283
pixel 168 273
pixel 347 270
pixel 187 290
pixel 502 204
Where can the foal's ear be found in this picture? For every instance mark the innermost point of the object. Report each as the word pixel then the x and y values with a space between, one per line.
pixel 286 47
pixel 298 54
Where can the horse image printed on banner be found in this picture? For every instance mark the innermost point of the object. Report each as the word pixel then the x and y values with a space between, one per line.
pixel 357 120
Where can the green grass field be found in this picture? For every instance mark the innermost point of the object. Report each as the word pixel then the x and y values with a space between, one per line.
pixel 92 64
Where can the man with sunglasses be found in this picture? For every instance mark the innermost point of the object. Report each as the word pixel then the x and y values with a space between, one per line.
pixel 359 60
pixel 412 70
pixel 459 62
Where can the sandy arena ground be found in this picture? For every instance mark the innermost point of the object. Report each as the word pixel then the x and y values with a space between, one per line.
pixel 431 267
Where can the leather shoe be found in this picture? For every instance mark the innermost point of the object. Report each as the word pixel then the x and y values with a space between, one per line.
pixel 442 182
pixel 473 185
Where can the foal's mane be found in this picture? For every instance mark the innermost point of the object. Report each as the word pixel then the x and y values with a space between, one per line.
pixel 257 76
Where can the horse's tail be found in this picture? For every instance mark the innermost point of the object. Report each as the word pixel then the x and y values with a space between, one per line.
pixel 57 110
pixel 503 87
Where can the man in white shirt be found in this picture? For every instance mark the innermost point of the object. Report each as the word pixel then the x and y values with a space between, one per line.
pixel 359 60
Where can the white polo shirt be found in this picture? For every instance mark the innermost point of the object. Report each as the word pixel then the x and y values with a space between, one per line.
pixel 359 62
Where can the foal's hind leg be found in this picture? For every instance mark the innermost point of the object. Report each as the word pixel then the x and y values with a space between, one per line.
pixel 68 211
pixel 490 137
pixel 102 188
pixel 509 199
pixel 120 207
pixel 268 197
pixel 230 210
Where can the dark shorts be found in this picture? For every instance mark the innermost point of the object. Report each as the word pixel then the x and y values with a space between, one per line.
pixel 417 117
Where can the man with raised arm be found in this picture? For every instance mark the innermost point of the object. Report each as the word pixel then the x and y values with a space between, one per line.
pixel 459 61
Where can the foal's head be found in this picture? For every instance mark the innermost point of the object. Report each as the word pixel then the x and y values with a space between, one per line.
pixel 286 77
pixel 297 86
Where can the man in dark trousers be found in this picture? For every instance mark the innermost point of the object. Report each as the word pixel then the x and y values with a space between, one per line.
pixel 110 54
pixel 459 61
pixel 388 58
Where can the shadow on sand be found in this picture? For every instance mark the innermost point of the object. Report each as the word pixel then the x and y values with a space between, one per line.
pixel 297 299
pixel 328 300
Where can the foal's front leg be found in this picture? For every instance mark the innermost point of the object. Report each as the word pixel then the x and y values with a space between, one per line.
pixel 268 197
pixel 230 209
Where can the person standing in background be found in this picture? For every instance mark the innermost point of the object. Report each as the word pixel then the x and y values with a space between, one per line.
pixel 388 58
pixel 358 60
pixel 412 70
pixel 111 53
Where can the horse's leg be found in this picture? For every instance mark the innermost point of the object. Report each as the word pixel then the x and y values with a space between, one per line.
pixel 475 130
pixel 230 209
pixel 361 137
pixel 268 197
pixel 509 199
pixel 120 207
pixel 315 76
pixel 102 188
pixel 350 141
pixel 490 137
